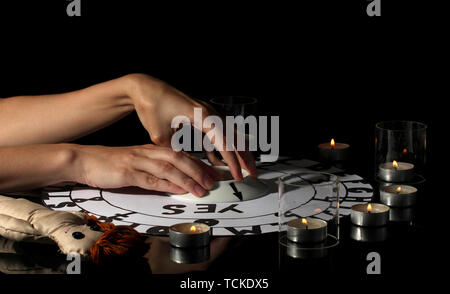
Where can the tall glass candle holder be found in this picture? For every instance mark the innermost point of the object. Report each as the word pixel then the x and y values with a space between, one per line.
pixel 308 214
pixel 239 106
pixel 400 151
pixel 235 105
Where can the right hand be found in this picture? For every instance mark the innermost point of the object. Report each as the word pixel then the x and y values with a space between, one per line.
pixel 149 167
pixel 157 103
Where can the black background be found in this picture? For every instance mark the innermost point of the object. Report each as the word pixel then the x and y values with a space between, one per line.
pixel 325 67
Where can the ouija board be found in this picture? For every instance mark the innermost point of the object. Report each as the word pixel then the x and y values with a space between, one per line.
pixel 153 212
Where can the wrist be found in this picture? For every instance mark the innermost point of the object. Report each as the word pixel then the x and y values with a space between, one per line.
pixel 68 162
pixel 142 88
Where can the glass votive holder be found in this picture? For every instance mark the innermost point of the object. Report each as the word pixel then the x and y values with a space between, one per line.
pixel 235 105
pixel 400 151
pixel 240 106
pixel 308 213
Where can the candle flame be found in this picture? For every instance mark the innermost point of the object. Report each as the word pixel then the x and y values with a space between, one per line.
pixel 332 143
pixel 369 207
pixel 405 151
pixel 395 164
pixel 399 189
pixel 193 229
pixel 304 221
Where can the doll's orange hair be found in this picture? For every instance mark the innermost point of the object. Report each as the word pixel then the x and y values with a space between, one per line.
pixel 116 241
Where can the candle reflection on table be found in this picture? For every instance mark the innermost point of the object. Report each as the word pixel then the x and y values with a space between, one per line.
pixel 298 251
pixel 368 234
pixel 189 255
pixel 160 261
pixel 402 214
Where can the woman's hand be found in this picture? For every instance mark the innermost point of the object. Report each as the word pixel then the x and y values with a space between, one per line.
pixel 28 121
pixel 157 103
pixel 149 167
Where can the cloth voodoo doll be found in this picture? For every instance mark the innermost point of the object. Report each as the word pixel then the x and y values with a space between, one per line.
pixel 74 232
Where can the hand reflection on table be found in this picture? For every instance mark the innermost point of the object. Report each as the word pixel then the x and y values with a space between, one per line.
pixel 159 260
pixel 33 258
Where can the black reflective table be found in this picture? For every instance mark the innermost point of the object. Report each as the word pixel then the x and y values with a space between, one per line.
pixel 403 250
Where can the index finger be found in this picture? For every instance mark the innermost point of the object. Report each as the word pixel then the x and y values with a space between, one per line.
pixel 233 163
pixel 219 141
pixel 247 161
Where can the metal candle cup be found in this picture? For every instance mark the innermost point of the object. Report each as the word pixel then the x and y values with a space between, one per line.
pixel 189 235
pixel 370 215
pixel 333 151
pixel 307 230
pixel 396 171
pixel 398 195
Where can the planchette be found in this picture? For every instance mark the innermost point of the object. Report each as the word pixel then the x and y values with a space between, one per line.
pixel 229 190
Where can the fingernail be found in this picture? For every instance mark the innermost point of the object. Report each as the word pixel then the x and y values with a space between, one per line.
pixel 199 190
pixel 208 182
pixel 240 176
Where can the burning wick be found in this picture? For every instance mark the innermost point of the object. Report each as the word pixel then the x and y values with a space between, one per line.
pixel 184 235
pixel 332 151
pixel 395 164
pixel 369 208
pixel 399 189
pixel 305 222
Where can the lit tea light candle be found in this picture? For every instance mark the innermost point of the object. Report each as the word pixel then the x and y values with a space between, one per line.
pixel 398 195
pixel 396 171
pixel 333 151
pixel 371 214
pixel 307 230
pixel 189 235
